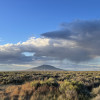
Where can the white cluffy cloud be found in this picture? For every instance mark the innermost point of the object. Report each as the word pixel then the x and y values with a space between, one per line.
pixel 42 48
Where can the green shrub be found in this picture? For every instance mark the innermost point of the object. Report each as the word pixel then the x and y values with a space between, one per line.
pixel 35 84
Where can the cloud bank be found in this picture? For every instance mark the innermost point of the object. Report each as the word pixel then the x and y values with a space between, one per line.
pixel 77 41
pixel 86 35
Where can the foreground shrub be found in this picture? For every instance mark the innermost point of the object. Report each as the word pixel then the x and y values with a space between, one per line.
pixel 68 91
pixel 97 97
pixel 96 91
pixel 36 90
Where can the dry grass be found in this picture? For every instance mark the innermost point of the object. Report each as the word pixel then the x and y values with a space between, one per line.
pixel 28 91
pixel 97 97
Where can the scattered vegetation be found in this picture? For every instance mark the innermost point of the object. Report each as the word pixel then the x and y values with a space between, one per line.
pixel 50 85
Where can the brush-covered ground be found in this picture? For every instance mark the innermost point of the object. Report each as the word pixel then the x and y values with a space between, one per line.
pixel 50 85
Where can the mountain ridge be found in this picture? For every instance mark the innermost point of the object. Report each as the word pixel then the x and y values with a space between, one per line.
pixel 46 68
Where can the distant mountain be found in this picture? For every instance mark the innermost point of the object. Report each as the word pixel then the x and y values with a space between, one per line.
pixel 45 68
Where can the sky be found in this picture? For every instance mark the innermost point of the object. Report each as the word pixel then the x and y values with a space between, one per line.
pixel 62 33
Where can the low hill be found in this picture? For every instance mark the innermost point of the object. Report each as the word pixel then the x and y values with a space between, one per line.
pixel 45 68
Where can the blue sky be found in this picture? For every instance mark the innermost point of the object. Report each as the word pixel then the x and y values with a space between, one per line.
pixel 22 19
pixel 56 32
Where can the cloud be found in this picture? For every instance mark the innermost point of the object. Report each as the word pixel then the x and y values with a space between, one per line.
pixel 76 29
pixel 77 41
pixel 14 53
pixel 64 34
pixel 42 49
pixel 86 35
